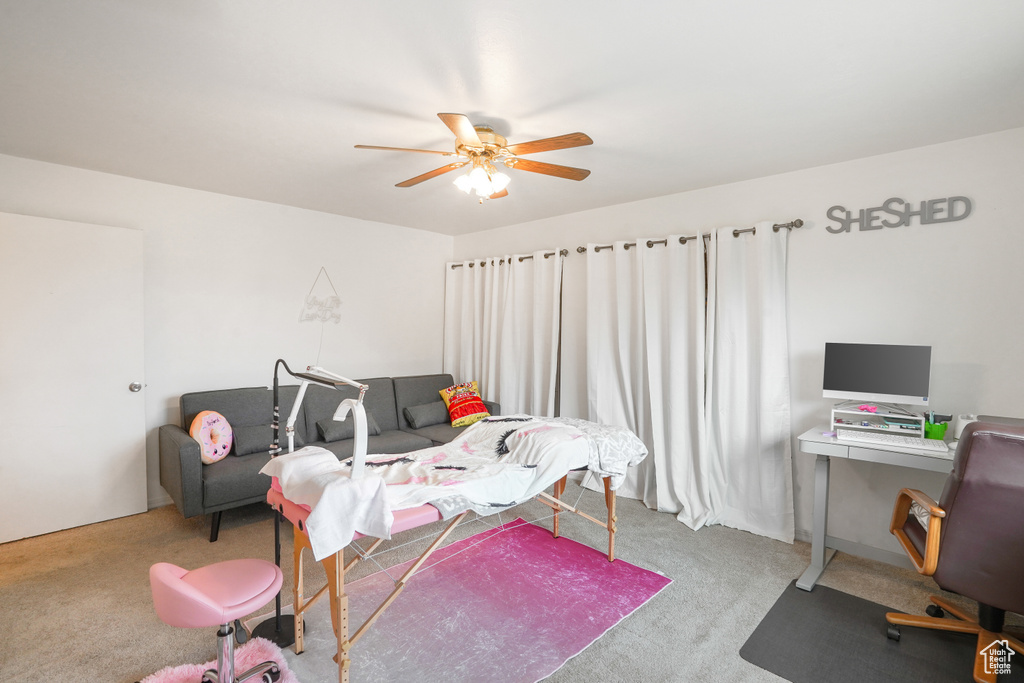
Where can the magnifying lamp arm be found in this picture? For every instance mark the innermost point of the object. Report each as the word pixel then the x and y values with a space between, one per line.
pixel 359 436
pixel 333 375
pixel 289 427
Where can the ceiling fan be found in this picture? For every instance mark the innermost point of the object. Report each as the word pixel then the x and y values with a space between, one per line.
pixel 484 151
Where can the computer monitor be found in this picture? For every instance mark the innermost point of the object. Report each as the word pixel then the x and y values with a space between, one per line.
pixel 885 373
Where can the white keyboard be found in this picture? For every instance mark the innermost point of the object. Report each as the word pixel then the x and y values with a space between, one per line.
pixel 884 439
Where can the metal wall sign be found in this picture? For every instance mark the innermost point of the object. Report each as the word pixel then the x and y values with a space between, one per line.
pixel 896 212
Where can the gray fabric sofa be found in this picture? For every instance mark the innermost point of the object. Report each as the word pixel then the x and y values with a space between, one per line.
pixel 199 489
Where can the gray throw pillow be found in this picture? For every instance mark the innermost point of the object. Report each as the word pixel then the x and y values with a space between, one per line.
pixel 332 430
pixel 427 414
pixel 257 439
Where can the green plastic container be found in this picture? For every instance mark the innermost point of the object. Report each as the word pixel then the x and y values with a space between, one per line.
pixel 936 430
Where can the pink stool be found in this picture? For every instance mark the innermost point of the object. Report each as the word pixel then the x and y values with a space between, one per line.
pixel 216 595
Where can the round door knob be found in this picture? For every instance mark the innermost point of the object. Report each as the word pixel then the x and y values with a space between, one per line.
pixel 135 386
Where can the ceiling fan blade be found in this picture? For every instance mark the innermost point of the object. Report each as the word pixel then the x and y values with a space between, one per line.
pixel 431 174
pixel 548 144
pixel 406 149
pixel 463 129
pixel 567 172
pixel 499 195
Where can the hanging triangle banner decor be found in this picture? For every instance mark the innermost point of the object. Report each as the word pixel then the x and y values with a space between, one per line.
pixel 322 304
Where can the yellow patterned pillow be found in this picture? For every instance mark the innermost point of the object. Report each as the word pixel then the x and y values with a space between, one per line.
pixel 464 404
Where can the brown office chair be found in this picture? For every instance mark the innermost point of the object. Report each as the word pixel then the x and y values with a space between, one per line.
pixel 974 541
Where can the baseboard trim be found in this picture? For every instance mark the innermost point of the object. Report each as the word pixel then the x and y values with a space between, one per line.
pixel 869 552
pixel 859 549
pixel 159 501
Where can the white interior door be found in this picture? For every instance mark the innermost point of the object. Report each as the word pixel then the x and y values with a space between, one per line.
pixel 71 332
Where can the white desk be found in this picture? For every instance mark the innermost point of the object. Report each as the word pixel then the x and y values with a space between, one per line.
pixel 828 447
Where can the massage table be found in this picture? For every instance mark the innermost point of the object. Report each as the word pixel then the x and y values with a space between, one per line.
pixel 620 448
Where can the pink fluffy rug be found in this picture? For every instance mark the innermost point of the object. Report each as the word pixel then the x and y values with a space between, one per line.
pixel 509 604
pixel 247 656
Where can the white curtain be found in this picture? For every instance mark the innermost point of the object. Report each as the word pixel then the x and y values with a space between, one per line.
pixel 645 366
pixel 748 419
pixel 501 328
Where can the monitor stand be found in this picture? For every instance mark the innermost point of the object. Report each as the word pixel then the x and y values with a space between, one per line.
pixel 891 408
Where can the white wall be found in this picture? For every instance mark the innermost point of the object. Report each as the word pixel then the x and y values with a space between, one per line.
pixel 224 286
pixel 956 286
pixel 226 278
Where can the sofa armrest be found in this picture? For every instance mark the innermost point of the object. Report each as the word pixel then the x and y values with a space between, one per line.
pixel 181 469
pixel 492 407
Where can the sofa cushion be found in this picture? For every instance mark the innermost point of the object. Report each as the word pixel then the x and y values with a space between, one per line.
pixel 393 441
pixel 259 439
pixel 235 480
pixel 332 430
pixel 240 407
pixel 253 439
pixel 427 414
pixel 439 433
pixel 247 407
pixel 321 403
pixel 416 390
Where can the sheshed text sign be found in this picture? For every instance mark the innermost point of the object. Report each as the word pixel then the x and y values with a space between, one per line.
pixel 896 212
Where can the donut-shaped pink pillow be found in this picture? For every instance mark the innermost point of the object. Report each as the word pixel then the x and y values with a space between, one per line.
pixel 212 431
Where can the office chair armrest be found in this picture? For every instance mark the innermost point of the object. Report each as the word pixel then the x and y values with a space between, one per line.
pixel 901 511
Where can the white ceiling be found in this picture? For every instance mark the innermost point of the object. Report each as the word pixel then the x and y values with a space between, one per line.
pixel 265 99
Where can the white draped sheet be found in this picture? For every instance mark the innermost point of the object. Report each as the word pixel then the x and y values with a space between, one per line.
pixel 495 464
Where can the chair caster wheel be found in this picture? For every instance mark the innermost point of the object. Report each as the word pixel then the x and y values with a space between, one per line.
pixel 272 676
pixel 892 632
pixel 934 611
pixel 241 635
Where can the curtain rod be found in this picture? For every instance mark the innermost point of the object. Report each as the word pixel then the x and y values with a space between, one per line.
pixel 560 252
pixel 683 240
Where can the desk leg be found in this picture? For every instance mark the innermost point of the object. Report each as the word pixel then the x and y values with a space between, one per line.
pixel 820 555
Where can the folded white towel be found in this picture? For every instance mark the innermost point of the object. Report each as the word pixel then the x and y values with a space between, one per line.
pixel 339 505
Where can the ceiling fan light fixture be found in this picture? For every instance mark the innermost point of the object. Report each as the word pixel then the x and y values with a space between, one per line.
pixel 499 181
pixel 463 183
pixel 482 150
pixel 481 181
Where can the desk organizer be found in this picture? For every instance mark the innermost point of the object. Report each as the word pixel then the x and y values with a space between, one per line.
pixel 854 418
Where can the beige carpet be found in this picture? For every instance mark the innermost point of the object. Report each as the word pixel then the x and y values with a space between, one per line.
pixel 76 604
